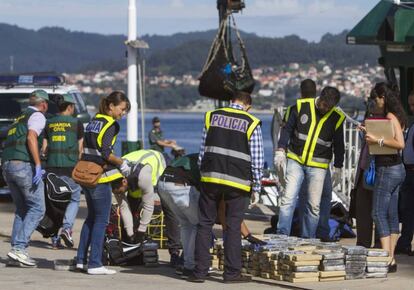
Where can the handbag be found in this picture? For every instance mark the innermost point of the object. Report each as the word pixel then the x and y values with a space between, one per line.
pixel 87 173
pixel 369 175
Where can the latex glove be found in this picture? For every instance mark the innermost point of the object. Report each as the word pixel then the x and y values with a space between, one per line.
pixel 37 177
pixel 125 168
pixel 254 199
pixel 253 240
pixel 140 237
pixel 280 166
pixel 336 176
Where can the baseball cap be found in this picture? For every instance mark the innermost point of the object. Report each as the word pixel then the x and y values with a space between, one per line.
pixel 40 94
pixel 155 119
pixel 68 98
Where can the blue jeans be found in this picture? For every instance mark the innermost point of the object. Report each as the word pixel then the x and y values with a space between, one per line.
pixel 295 175
pixel 183 201
pixel 388 180
pixel 323 229
pixel 28 198
pixel 73 206
pixel 325 208
pixel 406 204
pixel 98 200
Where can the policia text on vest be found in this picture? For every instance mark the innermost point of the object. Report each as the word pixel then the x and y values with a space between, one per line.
pixel 227 159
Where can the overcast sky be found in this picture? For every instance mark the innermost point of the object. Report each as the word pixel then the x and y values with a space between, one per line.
pixel 309 19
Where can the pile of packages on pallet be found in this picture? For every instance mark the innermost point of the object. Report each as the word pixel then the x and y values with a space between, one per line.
pixel 295 260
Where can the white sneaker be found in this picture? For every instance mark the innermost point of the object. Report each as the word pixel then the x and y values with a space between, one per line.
pixel 81 267
pixel 101 271
pixel 22 257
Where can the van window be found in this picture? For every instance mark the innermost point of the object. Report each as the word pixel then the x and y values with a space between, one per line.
pixel 13 104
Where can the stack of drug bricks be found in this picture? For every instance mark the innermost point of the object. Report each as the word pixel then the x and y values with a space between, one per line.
pixel 355 262
pixel 377 263
pixel 299 264
pixel 332 266
pixel 217 255
pixel 306 260
pixel 214 253
pixel 263 260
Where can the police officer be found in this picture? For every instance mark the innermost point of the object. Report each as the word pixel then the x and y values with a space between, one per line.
pixel 231 163
pixel 156 138
pixel 315 127
pixel 147 169
pixel 23 173
pixel 100 137
pixel 63 144
pixel 308 90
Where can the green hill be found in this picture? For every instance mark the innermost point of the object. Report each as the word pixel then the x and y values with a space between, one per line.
pixel 58 49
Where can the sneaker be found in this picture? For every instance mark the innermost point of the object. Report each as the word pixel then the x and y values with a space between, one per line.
pixel 22 257
pixel 187 273
pixel 101 271
pixel 66 236
pixel 57 244
pixel 195 279
pixel 81 267
pixel 239 279
pixel 175 260
pixel 179 270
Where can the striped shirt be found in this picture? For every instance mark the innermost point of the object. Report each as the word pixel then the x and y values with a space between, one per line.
pixel 256 152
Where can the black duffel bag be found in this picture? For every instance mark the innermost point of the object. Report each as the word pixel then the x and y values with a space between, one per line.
pixel 57 197
pixel 222 74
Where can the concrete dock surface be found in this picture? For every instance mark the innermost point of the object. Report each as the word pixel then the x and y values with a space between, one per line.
pixel 161 277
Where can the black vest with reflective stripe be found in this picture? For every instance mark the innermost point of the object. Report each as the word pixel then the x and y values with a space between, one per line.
pixel 227 158
pixel 311 143
pixel 92 141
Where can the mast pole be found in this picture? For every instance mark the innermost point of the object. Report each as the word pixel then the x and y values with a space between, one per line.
pixel 132 119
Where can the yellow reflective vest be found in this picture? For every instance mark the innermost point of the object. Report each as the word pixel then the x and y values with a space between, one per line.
pixel 312 140
pixel 147 157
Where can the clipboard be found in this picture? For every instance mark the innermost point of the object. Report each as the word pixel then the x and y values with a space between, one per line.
pixel 381 128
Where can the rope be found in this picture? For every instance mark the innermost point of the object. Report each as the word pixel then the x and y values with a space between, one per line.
pixel 215 46
pixel 220 40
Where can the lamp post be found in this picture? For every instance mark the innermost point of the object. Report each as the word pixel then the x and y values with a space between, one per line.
pixel 132 119
pixel 133 44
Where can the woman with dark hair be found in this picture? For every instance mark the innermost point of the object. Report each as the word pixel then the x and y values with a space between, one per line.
pixel 389 171
pixel 99 139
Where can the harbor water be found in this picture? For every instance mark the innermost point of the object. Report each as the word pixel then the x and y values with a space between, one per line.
pixel 187 128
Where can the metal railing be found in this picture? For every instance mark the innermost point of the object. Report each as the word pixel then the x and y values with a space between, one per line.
pixel 352 151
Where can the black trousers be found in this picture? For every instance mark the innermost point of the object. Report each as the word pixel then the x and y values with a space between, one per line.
pixel 236 203
pixel 172 227
pixel 406 204
pixel 363 215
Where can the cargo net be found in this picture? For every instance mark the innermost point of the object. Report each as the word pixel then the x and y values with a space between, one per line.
pixel 223 74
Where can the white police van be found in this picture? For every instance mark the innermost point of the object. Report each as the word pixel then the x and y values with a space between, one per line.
pixel 14 95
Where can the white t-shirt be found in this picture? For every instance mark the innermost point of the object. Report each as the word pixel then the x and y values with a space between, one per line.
pixel 37 121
